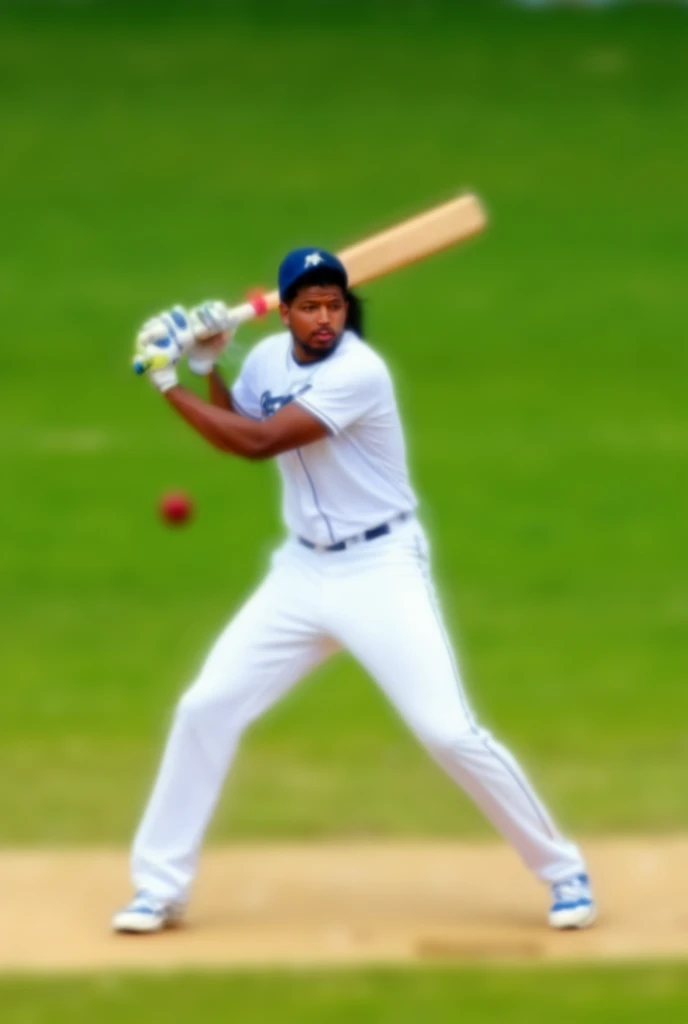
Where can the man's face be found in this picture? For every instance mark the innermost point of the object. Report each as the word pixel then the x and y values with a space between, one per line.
pixel 316 320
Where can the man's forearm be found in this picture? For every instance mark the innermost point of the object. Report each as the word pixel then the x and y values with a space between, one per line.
pixel 219 394
pixel 225 429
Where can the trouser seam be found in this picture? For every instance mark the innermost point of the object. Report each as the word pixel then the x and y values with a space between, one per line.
pixel 468 711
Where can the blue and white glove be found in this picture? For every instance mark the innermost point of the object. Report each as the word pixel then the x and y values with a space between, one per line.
pixel 212 327
pixel 160 344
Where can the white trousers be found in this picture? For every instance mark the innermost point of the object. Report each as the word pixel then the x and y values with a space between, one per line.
pixel 376 600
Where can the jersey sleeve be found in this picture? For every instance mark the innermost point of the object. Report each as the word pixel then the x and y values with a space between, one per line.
pixel 343 393
pixel 245 397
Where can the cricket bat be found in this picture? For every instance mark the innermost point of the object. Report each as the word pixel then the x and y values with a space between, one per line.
pixel 408 242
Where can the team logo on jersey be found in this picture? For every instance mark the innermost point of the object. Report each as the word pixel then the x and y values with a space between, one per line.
pixel 313 259
pixel 270 404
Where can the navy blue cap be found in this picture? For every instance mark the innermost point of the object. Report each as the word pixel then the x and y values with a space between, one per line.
pixel 301 261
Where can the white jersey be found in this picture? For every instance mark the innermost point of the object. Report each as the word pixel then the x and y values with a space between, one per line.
pixel 354 479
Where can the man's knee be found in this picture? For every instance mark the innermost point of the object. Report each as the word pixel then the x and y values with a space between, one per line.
pixel 227 701
pixel 193 705
pixel 200 703
pixel 455 741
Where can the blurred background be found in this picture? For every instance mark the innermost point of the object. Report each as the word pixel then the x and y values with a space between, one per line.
pixel 154 154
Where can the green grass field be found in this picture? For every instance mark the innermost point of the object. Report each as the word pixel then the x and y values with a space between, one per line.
pixel 614 996
pixel 153 155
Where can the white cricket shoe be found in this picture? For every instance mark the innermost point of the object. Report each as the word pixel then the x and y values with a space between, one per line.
pixel 573 905
pixel 147 913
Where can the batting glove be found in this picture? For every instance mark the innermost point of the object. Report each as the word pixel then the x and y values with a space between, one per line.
pixel 160 344
pixel 212 328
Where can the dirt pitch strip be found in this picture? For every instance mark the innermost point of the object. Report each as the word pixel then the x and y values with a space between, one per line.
pixel 343 903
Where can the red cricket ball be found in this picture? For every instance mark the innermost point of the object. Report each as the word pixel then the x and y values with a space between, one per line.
pixel 175 508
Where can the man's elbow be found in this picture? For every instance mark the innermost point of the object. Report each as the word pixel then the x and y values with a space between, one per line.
pixel 264 448
pixel 257 453
pixel 255 448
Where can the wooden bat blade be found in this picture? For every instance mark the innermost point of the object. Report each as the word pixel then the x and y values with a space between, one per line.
pixel 414 239
pixel 410 241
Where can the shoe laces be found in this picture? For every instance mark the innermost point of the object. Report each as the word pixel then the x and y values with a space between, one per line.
pixel 571 889
pixel 146 901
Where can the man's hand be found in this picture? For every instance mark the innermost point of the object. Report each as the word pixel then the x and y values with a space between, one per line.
pixel 212 329
pixel 161 343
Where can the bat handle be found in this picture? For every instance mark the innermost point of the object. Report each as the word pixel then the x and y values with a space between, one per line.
pixel 257 305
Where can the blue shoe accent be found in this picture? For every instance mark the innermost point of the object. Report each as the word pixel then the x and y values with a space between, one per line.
pixel 573 905
pixel 574 892
pixel 144 903
pixel 147 913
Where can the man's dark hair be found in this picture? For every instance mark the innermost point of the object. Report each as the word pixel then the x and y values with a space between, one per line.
pixel 323 276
